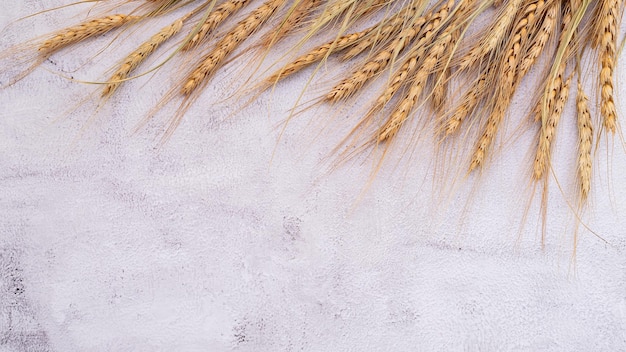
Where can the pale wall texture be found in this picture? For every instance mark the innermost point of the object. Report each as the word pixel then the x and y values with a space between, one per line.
pixel 225 240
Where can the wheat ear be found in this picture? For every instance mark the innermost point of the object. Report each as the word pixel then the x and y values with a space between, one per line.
pixel 215 18
pixel 440 90
pixel 410 63
pixel 229 43
pixel 294 18
pixel 138 56
pixel 548 131
pixel 315 55
pixel 389 27
pixel 493 36
pixel 508 82
pixel 333 10
pixel 554 84
pixel 401 113
pixel 358 78
pixel 541 39
pixel 608 43
pixel 73 35
pixel 585 140
pixel 468 103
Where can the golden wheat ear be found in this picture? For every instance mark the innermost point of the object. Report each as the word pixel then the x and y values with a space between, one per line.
pixel 606 39
pixel 76 34
pixel 214 18
pixel 585 142
pixel 225 46
pixel 133 60
pixel 295 17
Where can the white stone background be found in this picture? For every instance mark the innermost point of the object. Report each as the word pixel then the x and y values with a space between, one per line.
pixel 210 244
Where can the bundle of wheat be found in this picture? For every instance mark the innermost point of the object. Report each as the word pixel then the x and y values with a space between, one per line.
pixel 431 57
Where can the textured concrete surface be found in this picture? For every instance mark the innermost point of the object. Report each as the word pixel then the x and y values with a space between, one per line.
pixel 225 240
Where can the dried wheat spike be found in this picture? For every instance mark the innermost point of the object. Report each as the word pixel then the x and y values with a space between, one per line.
pixel 388 28
pixel 293 19
pixel 402 111
pixel 215 18
pixel 468 103
pixel 508 80
pixel 416 54
pixel 73 35
pixel 358 78
pixel 229 43
pixel 440 90
pixel 315 55
pixel 608 54
pixel 541 39
pixel 138 56
pixel 545 106
pixel 441 79
pixel 493 36
pixel 333 10
pixel 585 141
pixel 548 131
pixel 354 8
pixel 321 52
pixel 408 68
